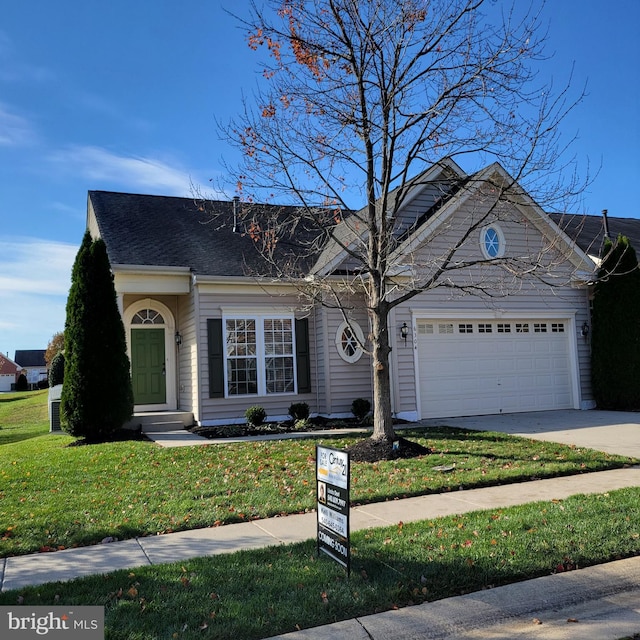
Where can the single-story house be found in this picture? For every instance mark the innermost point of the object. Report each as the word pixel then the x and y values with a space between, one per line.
pixel 9 372
pixel 33 364
pixel 206 335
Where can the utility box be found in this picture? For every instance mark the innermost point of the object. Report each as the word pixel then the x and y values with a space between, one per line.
pixel 54 408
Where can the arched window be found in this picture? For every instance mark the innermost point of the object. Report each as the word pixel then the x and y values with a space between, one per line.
pixel 147 316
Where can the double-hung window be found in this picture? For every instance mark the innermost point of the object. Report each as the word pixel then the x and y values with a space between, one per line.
pixel 260 355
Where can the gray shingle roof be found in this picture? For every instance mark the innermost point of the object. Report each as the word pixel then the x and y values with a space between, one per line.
pixel 170 232
pixel 178 232
pixel 30 358
pixel 588 231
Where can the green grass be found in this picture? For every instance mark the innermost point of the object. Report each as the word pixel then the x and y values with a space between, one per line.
pixel 261 593
pixel 23 416
pixel 54 496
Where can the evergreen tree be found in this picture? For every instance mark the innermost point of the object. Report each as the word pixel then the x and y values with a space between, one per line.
pixel 615 341
pixel 97 396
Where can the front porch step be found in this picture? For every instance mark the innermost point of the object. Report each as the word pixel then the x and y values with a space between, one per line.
pixel 160 421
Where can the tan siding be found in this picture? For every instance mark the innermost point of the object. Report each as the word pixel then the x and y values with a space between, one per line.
pixel 187 360
pixel 346 381
pixel 556 297
pixel 233 409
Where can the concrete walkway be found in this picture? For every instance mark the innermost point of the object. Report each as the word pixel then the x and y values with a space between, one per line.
pixel 605 600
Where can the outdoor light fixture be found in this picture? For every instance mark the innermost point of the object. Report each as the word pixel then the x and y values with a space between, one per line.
pixel 178 338
pixel 584 332
pixel 404 331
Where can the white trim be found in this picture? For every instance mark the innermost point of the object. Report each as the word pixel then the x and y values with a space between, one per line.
pixel 260 351
pixel 359 336
pixel 171 403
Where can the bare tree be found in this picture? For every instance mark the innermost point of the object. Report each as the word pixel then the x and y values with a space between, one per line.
pixel 360 96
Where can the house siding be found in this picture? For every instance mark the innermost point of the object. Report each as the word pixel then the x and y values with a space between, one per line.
pixel 218 410
pixel 187 366
pixel 517 296
pixel 345 381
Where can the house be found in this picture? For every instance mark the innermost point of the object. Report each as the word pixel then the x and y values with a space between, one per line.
pixel 206 334
pixel 33 363
pixel 9 372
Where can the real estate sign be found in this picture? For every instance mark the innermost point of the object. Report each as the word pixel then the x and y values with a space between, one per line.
pixel 332 477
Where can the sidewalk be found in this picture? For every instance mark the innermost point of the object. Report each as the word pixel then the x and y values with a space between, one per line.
pixel 605 600
pixel 20 571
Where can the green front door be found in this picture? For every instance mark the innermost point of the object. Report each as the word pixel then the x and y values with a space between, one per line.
pixel 148 372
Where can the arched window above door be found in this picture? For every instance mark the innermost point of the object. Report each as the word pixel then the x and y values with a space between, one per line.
pixel 147 316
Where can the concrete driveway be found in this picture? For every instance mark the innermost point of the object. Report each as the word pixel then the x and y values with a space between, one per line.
pixel 616 432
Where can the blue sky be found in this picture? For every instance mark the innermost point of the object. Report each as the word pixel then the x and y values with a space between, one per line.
pixel 123 95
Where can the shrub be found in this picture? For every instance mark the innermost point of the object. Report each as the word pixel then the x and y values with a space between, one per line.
pixel 22 384
pixel 299 411
pixel 97 396
pixel 360 408
pixel 615 335
pixel 255 416
pixel 56 371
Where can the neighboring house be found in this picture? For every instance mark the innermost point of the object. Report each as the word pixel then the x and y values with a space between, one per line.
pixel 9 372
pixel 206 335
pixel 32 362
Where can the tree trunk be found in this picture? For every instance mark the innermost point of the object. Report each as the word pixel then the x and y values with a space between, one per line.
pixel 382 418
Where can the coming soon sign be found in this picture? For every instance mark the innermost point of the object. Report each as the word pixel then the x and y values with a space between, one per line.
pixel 332 474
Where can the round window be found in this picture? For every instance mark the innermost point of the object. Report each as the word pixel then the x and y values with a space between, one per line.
pixel 492 242
pixel 349 341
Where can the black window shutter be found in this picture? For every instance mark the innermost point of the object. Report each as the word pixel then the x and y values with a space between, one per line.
pixel 303 358
pixel 216 359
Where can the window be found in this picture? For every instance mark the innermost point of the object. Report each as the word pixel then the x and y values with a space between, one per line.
pixel 259 356
pixel 557 327
pixel 465 328
pixel 492 242
pixel 504 327
pixel 522 327
pixel 147 316
pixel 540 327
pixel 425 329
pixel 485 328
pixel 349 341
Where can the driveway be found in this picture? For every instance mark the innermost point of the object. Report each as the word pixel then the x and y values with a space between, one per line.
pixel 616 432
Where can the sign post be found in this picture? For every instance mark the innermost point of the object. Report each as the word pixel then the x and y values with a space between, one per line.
pixel 332 477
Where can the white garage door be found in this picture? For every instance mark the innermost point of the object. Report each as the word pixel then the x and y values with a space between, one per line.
pixel 470 367
pixel 6 380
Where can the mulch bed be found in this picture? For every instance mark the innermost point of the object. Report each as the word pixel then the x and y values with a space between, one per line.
pixel 370 450
pixel 367 450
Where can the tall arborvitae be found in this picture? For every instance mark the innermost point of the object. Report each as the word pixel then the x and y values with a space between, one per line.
pixel 97 397
pixel 615 339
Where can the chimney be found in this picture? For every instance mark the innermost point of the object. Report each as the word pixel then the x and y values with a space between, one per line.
pixel 606 224
pixel 236 202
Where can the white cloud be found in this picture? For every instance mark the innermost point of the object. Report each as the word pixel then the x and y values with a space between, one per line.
pixel 109 170
pixel 15 130
pixel 35 276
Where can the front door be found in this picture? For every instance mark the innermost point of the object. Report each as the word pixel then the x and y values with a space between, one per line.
pixel 148 371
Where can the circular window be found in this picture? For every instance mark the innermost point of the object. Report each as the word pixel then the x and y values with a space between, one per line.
pixel 492 242
pixel 349 341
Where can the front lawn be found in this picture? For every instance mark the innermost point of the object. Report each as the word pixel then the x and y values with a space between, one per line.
pixel 54 496
pixel 257 594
